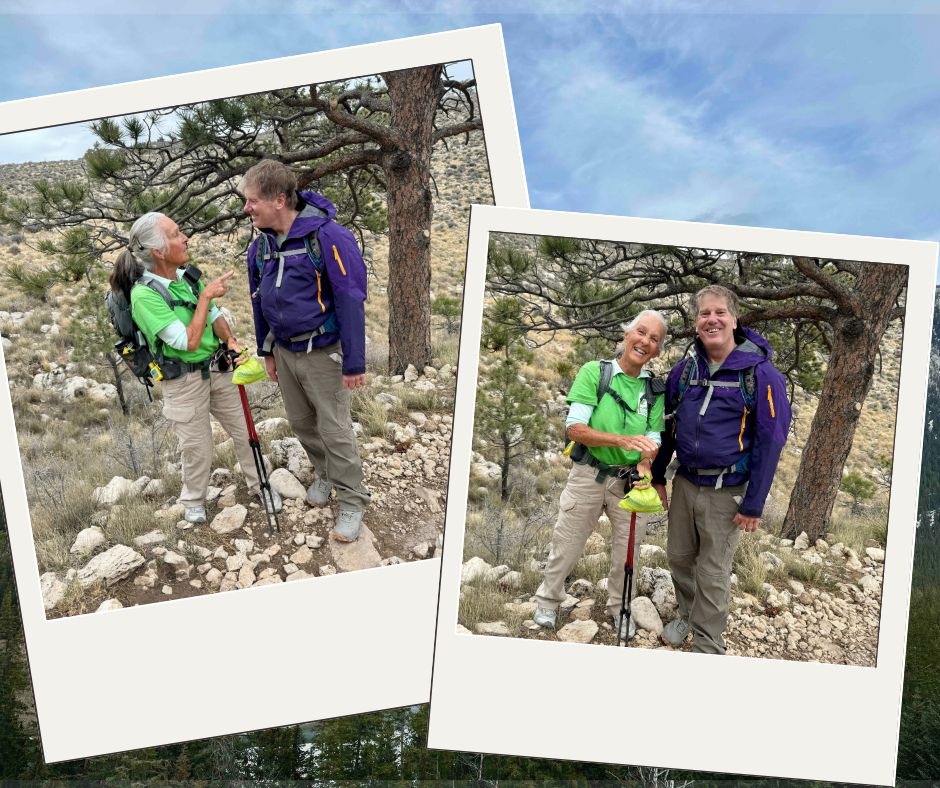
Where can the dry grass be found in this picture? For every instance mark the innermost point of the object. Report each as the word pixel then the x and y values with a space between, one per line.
pixel 481 603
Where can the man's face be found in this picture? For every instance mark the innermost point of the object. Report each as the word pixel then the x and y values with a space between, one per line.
pixel 176 253
pixel 715 324
pixel 263 212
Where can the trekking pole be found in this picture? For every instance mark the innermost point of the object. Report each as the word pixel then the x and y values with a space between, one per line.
pixel 627 595
pixel 266 495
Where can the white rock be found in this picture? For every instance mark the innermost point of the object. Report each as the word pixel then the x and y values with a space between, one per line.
pixel 213 576
pixel 581 588
pixel 875 554
pixel 802 541
pixel 462 630
pixel 174 559
pixel 246 576
pixel 491 575
pixel 271 426
pixel 109 604
pixel 473 570
pixel 302 556
pixel 150 538
pixel 300 574
pixel 797 587
pixel 229 519
pixel 411 374
pixel 52 588
pixel 492 628
pixel 648 551
pixel 772 561
pixel 167 590
pixel 87 540
pixel 511 580
pixel 270 580
pixel 520 608
pixel 235 562
pixel 645 615
pixel 285 483
pixel 113 491
pixel 314 542
pixel 869 584
pixel 111 566
pixel 352 556
pixel 244 545
pixel 578 631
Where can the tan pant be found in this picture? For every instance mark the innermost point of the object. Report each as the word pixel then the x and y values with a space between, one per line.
pixel 701 542
pixel 187 402
pixel 317 408
pixel 581 504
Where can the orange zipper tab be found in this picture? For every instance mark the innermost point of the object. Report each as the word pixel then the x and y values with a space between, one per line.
pixel 339 260
pixel 770 399
pixel 741 434
pixel 319 300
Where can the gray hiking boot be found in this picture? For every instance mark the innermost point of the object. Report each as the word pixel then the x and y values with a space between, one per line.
pixel 275 499
pixel 318 493
pixel 675 632
pixel 347 526
pixel 545 617
pixel 195 514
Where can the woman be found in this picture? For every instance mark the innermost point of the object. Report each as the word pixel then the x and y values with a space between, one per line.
pixel 186 338
pixel 619 432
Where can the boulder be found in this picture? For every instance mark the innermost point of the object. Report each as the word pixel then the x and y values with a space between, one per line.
pixel 473 570
pixel 352 556
pixel 52 588
pixel 111 566
pixel 492 628
pixel 229 519
pixel 87 540
pixel 286 484
pixel 645 616
pixel 113 491
pixel 578 631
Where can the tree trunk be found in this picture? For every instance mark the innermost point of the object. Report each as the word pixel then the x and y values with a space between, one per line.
pixel 856 340
pixel 414 96
pixel 504 470
pixel 118 384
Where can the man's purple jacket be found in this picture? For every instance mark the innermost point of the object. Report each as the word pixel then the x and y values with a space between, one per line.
pixel 728 434
pixel 291 298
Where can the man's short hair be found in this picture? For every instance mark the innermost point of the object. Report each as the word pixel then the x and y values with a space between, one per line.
pixel 271 178
pixel 720 292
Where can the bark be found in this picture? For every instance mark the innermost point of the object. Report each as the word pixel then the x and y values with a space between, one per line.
pixel 862 316
pixel 413 94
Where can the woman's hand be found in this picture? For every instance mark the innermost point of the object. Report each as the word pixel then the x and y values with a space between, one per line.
pixel 639 443
pixel 217 287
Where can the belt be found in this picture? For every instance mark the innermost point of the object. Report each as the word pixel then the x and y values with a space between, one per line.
pixel 719 472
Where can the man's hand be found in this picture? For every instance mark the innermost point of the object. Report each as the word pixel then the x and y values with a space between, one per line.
pixel 271 366
pixel 661 489
pixel 353 381
pixel 746 523
pixel 217 287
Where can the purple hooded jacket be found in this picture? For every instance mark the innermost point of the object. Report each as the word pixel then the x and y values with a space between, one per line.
pixel 728 434
pixel 302 299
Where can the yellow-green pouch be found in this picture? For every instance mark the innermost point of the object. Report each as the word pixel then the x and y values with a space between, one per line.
pixel 250 371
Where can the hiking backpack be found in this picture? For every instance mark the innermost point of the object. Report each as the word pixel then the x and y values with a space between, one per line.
pixel 652 387
pixel 747 383
pixel 132 347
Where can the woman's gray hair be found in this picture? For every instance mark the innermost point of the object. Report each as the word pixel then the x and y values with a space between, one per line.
pixel 146 234
pixel 648 313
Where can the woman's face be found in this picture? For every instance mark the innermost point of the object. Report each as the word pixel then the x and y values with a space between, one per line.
pixel 176 253
pixel 644 341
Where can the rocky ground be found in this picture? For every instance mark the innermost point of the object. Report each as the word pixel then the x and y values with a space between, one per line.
pixel 836 622
pixel 238 547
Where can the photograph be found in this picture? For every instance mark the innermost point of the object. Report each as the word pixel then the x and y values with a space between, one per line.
pixel 230 322
pixel 322 226
pixel 763 386
pixel 685 481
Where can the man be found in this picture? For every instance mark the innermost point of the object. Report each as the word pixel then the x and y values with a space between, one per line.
pixel 308 287
pixel 186 336
pixel 614 433
pixel 730 421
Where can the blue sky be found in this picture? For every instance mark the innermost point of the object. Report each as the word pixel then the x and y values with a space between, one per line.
pixel 816 120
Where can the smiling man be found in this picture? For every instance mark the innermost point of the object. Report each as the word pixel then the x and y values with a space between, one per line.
pixel 730 421
pixel 308 288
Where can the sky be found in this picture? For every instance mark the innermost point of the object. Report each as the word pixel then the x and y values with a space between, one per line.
pixel 809 119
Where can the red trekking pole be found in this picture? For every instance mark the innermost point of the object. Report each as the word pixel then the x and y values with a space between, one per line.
pixel 627 595
pixel 267 497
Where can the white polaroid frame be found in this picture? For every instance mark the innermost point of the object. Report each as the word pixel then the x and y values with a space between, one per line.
pixel 180 670
pixel 671 708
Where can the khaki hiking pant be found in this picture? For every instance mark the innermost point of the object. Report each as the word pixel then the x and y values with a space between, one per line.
pixel 187 402
pixel 701 541
pixel 581 504
pixel 317 408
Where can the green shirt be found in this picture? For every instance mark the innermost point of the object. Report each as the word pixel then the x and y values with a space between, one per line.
pixel 152 315
pixel 609 416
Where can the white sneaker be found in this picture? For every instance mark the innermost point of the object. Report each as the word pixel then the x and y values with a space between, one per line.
pixel 275 499
pixel 195 514
pixel 628 625
pixel 545 617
